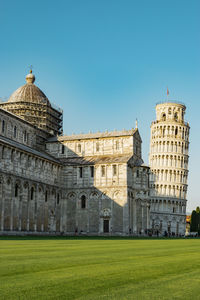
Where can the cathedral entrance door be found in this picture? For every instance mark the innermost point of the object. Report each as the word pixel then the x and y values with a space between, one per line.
pixel 106 226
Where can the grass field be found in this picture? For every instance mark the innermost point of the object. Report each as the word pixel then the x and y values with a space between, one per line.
pixel 99 268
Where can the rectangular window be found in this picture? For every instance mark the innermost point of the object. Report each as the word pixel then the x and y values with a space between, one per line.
pixel 92 171
pixel 79 147
pixel 63 149
pixel 81 172
pixel 58 198
pixel 103 171
pixel 114 170
pixel 25 135
pixel 3 126
pixel 117 145
pixel 15 132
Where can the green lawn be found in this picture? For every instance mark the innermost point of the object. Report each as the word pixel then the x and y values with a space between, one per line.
pixel 99 268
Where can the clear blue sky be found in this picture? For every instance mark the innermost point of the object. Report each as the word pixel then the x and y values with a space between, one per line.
pixel 107 62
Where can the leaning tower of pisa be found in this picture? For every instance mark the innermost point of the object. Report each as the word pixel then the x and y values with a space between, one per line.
pixel 168 161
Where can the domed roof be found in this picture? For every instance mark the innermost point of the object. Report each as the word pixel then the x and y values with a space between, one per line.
pixel 29 92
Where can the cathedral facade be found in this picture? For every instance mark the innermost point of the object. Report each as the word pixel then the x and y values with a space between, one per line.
pixel 92 184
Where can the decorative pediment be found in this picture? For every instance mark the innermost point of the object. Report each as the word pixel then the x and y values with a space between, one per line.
pixel 106 212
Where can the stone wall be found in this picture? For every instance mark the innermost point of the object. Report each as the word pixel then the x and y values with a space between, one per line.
pixel 21 131
pixel 96 144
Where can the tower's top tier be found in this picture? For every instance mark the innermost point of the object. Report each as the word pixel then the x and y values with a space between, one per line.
pixel 170 112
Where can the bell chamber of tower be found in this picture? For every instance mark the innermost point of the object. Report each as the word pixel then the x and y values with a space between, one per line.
pixel 168 161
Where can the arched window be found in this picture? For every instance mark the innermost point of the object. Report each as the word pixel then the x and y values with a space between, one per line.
pixel 176 131
pixel 32 193
pixel 176 117
pixel 114 170
pixel 15 132
pixel 80 172
pixel 16 190
pixel 3 127
pixel 164 117
pixel 92 171
pixel 83 201
pixel 138 173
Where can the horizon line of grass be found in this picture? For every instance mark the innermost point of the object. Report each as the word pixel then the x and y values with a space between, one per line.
pixel 79 237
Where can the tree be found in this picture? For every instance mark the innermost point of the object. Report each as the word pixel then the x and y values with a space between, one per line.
pixel 195 220
pixel 193 224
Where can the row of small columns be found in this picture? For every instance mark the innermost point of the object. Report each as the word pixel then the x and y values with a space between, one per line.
pixel 22 197
pixel 170 131
pixel 144 206
pixel 168 190
pixel 163 205
pixel 169 175
pixel 169 161
pixel 174 147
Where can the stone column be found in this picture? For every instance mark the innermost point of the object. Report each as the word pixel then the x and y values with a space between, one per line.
pixel 135 216
pixel 11 206
pixel 147 207
pixel 20 214
pixel 35 208
pixel 28 209
pixel 62 212
pixel 142 208
pixel 2 212
pixel 100 219
pixel 88 216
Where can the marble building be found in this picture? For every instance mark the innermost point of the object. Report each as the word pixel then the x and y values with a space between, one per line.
pixel 169 169
pixel 51 183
